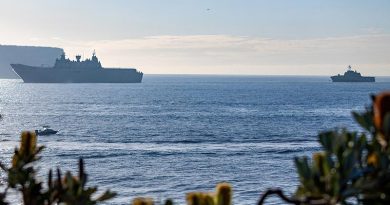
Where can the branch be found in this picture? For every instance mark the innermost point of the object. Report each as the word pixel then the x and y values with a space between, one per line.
pixel 279 193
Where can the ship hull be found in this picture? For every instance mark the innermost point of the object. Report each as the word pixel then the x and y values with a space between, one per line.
pixel 346 79
pixel 31 74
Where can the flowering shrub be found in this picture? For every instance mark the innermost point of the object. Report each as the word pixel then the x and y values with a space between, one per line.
pixel 65 190
pixel 353 166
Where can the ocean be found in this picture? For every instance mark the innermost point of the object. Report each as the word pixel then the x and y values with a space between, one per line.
pixel 173 134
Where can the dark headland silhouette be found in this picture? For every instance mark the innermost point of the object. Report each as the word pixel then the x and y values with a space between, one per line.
pixel 30 55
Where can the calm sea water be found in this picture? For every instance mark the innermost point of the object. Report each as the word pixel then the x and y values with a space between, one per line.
pixel 173 134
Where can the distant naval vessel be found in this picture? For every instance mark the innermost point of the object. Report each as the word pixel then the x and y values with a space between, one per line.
pixel 67 71
pixel 351 76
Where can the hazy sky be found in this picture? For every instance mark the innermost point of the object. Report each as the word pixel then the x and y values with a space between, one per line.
pixel 282 37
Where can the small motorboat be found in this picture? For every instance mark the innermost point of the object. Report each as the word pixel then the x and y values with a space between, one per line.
pixel 46 131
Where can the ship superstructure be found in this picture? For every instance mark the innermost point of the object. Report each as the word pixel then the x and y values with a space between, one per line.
pixel 77 71
pixel 351 76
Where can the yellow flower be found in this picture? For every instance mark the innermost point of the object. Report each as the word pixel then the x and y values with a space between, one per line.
pixel 28 143
pixel 200 198
pixel 143 201
pixel 15 160
pixel 193 198
pixel 319 163
pixel 224 194
pixel 372 159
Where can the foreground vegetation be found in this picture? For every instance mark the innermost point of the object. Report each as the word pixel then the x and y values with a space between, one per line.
pixel 353 168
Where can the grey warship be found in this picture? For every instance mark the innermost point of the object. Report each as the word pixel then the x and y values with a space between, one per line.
pixel 68 71
pixel 351 76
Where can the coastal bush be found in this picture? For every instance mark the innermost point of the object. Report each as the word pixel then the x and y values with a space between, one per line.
pixel 67 190
pixel 352 168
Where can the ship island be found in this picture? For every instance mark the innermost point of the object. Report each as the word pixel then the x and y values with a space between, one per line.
pixel 351 76
pixel 76 71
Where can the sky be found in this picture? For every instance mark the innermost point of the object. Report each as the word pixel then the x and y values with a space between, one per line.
pixel 246 37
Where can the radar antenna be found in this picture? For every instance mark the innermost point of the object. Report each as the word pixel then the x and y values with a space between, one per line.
pixel 349 67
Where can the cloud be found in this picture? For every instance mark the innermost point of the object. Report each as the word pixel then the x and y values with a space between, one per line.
pixel 238 54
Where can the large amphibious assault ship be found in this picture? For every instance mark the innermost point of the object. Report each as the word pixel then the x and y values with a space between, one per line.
pixel 68 71
pixel 351 76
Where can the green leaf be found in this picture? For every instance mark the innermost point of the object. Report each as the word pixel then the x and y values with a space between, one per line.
pixel 303 167
pixel 106 196
pixel 364 120
pixel 326 140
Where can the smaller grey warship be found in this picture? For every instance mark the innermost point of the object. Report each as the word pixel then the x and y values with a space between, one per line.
pixel 67 71
pixel 351 76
